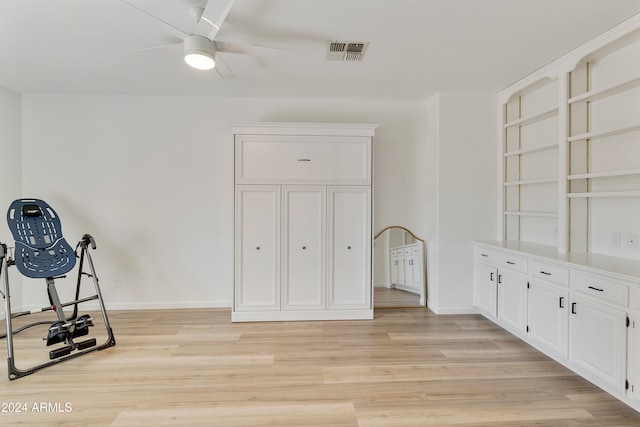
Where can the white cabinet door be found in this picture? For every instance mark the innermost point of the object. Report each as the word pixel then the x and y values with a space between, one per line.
pixel 486 288
pixel 303 212
pixel 257 257
pixel 409 272
pixel 597 340
pixel 549 316
pixel 349 221
pixel 512 299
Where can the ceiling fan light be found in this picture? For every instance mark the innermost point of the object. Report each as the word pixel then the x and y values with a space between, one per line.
pixel 199 52
pixel 200 60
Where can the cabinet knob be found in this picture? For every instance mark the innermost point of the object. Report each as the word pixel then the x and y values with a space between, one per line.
pixel 257 248
pixel 348 247
pixel 304 247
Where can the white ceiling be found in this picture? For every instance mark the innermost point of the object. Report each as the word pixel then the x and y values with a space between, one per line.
pixel 417 47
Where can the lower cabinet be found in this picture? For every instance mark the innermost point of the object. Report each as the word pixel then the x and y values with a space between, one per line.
pixel 406 268
pixel 512 299
pixel 486 295
pixel 549 316
pixel 598 340
pixel 586 318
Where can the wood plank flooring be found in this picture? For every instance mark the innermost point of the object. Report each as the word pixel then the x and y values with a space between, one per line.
pixel 393 298
pixel 407 367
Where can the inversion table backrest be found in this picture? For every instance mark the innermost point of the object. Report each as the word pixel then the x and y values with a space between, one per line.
pixel 40 251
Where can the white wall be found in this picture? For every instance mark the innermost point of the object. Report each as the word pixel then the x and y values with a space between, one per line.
pixel 11 167
pixel 465 196
pixel 151 178
pixel 10 159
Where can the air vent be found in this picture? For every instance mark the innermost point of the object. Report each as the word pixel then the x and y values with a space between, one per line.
pixel 346 50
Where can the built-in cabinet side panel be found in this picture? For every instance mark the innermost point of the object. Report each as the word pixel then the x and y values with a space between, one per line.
pixel 349 220
pixel 549 316
pixel 633 358
pixel 304 249
pixel 597 340
pixel 257 225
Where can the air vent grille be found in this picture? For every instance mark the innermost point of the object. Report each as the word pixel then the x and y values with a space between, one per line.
pixel 346 50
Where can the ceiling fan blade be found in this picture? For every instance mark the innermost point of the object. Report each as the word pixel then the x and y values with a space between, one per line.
pixel 170 28
pixel 212 17
pixel 166 46
pixel 251 49
pixel 223 69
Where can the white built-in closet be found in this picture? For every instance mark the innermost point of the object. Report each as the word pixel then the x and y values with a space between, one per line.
pixel 303 203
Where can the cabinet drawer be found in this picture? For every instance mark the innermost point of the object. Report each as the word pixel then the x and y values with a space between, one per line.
pixel 512 262
pixel 280 159
pixel 486 255
pixel 550 272
pixel 601 288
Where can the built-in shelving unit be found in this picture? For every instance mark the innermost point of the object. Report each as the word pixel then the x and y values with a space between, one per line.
pixel 570 149
pixel 604 133
pixel 565 273
pixel 529 170
pixel 603 146
pixel 533 118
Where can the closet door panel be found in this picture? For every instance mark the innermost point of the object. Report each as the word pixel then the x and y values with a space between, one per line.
pixel 304 248
pixel 257 257
pixel 349 218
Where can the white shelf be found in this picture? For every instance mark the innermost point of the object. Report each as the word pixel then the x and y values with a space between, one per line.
pixel 532 214
pixel 531 181
pixel 531 150
pixel 605 194
pixel 604 134
pixel 524 121
pixel 594 95
pixel 625 172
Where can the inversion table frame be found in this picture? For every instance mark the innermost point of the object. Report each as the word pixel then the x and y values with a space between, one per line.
pixel 41 261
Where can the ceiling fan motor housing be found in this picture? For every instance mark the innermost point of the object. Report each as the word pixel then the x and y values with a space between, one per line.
pixel 199 52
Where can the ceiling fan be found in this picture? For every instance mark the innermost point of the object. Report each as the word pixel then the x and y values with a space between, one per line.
pixel 200 48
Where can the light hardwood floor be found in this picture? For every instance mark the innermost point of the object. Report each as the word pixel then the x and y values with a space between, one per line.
pixel 407 367
pixel 391 297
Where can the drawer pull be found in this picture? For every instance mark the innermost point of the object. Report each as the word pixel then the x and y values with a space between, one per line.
pixel 511 263
pixel 304 160
pixel 257 248
pixel 573 308
pixel 491 277
pixel 500 278
pixel 596 289
pixel 304 247
pixel 484 255
pixel 545 273
pixel 561 302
